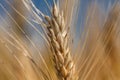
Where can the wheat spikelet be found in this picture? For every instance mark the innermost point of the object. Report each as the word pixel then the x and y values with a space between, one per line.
pixel 59 39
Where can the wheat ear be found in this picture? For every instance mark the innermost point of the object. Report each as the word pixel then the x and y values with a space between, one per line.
pixel 59 39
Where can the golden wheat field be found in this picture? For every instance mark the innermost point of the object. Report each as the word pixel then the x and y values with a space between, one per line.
pixel 54 41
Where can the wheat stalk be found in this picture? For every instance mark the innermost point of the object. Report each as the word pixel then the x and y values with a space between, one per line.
pixel 59 39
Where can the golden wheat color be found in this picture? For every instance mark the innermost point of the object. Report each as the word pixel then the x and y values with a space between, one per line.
pixel 59 54
pixel 58 35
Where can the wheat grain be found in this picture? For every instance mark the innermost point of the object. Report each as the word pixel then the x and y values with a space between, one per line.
pixel 59 39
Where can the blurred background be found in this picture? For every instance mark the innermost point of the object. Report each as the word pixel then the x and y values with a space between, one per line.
pixel 17 26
